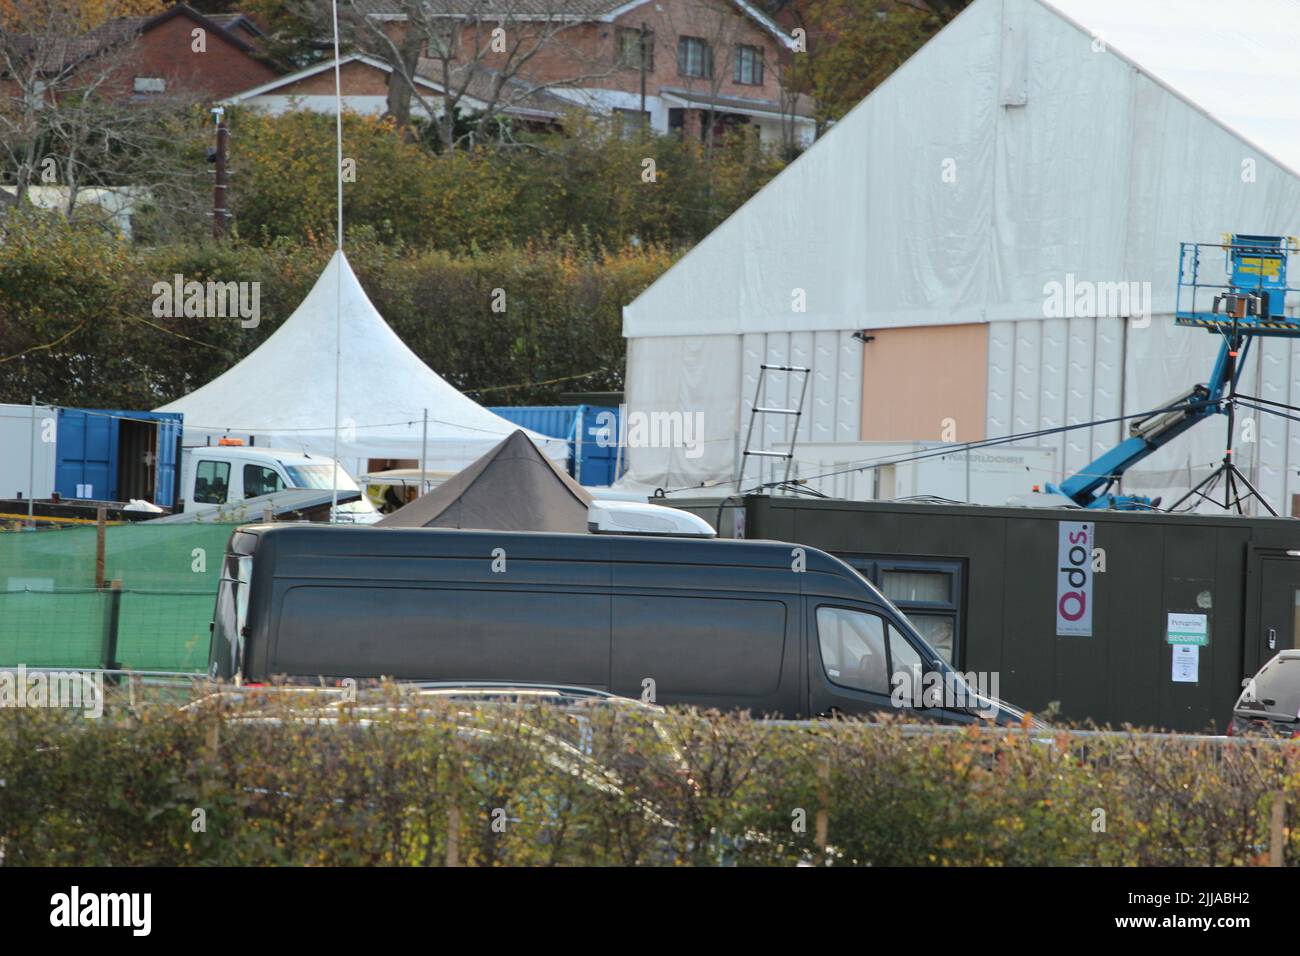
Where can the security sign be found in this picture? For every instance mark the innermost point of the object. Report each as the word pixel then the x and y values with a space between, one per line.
pixel 1074 579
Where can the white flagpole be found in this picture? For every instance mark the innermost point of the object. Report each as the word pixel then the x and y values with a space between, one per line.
pixel 338 274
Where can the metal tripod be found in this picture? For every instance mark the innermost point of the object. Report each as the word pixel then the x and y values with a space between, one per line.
pixel 1233 478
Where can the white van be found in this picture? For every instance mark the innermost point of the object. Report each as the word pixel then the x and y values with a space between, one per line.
pixel 213 476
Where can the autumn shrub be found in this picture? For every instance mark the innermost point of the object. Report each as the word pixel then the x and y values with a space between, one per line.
pixel 383 781
pixel 591 181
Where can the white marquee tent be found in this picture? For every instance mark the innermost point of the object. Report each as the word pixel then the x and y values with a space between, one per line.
pixel 1030 141
pixel 283 392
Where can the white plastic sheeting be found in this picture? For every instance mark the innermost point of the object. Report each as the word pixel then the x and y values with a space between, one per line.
pixel 714 378
pixel 283 392
pixel 1029 142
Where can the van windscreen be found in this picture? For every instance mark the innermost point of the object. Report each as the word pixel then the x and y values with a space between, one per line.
pixel 230 616
pixel 1275 689
pixel 225 632
pixel 320 476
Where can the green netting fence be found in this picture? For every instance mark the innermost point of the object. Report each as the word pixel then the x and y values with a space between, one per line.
pixel 52 615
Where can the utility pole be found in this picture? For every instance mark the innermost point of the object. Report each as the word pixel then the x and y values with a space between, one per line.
pixel 424 451
pixel 220 212
pixel 31 471
pixel 645 120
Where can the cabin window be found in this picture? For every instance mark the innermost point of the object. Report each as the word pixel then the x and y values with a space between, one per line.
pixel 259 480
pixel 905 664
pixel 211 482
pixel 928 592
pixel 230 619
pixel 245 566
pixel 853 649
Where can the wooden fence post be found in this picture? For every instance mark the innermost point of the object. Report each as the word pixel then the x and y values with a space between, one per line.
pixel 1276 842
pixel 112 616
pixel 101 531
pixel 822 828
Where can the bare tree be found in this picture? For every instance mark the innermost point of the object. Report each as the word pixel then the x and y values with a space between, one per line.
pixel 792 101
pixel 64 121
pixel 473 51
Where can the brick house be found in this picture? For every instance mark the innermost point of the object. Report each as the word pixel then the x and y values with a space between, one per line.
pixel 178 51
pixel 363 82
pixel 704 65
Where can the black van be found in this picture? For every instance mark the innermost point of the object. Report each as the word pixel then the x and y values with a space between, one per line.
pixel 772 628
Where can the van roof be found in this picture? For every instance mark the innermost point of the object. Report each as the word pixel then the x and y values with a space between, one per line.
pixel 825 573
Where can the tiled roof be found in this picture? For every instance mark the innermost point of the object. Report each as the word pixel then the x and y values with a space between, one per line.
pixel 516 94
pixel 63 53
pixel 66 53
pixel 543 9
pixel 501 8
pixel 229 20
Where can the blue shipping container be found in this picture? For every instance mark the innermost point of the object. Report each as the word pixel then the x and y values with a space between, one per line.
pixel 93 445
pixel 590 430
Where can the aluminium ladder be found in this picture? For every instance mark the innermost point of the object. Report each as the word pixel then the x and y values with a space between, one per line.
pixel 795 413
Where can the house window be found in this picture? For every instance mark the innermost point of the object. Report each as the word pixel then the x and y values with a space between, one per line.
pixel 629 49
pixel 150 84
pixel 748 68
pixel 694 57
pixel 720 124
pixel 631 121
pixel 928 592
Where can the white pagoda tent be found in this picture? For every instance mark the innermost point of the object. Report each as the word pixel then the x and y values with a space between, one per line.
pixel 283 393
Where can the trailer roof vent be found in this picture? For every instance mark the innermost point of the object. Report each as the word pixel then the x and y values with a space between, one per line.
pixel 634 517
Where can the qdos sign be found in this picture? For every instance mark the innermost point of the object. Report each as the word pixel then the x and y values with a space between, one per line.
pixel 1074 579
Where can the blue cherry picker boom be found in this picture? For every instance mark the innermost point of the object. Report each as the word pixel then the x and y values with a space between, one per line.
pixel 1251 302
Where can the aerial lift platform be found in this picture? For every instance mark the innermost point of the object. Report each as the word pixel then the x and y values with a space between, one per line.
pixel 1248 298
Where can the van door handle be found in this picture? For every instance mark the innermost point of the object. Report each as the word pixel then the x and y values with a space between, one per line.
pixel 1272 638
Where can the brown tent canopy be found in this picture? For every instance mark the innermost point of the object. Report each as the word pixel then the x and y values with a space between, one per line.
pixel 514 487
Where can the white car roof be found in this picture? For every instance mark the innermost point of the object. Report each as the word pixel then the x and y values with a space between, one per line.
pixel 287 455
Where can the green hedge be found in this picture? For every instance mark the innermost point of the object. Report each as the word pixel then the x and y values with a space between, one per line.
pixel 616 786
pixel 77 325
pixel 594 181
